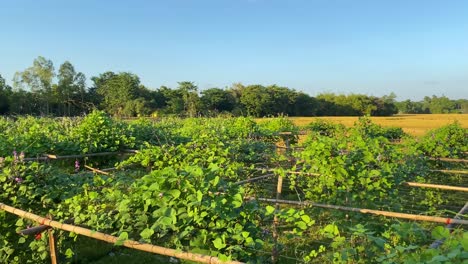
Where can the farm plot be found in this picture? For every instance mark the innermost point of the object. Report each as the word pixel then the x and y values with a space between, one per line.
pixel 221 190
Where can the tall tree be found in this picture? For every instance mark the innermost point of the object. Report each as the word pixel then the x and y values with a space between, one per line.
pixel 217 100
pixel 256 100
pixel 38 79
pixel 5 93
pixel 122 94
pixel 189 92
pixel 70 89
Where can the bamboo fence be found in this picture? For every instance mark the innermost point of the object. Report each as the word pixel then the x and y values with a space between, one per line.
pixel 414 217
pixel 112 239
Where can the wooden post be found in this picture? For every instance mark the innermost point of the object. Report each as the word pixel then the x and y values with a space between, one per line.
pixel 50 232
pixel 275 251
pixel 53 255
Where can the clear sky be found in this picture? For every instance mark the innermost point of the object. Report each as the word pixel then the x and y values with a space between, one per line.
pixel 410 47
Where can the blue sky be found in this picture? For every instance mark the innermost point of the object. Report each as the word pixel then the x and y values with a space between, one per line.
pixel 413 48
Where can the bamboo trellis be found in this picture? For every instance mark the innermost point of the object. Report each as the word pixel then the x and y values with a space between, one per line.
pixel 112 239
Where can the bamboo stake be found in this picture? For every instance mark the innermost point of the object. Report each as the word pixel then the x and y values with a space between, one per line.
pixel 449 159
pixel 255 179
pixel 279 187
pixel 112 239
pixel 36 159
pixel 426 218
pixel 33 230
pixel 452 171
pixel 462 211
pixel 437 186
pixel 51 156
pixel 290 172
pixel 96 170
pixel 53 255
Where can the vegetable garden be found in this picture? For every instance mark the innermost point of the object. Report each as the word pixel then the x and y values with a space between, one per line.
pixel 230 189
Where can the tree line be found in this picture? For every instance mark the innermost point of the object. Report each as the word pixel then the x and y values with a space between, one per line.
pixel 40 90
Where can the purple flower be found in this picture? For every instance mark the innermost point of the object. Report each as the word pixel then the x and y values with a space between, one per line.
pixel 18 180
pixel 15 155
pixel 21 156
pixel 77 165
pixel 161 195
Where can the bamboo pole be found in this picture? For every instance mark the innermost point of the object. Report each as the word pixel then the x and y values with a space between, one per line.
pixel 96 170
pixel 33 230
pixel 275 251
pixel 255 179
pixel 426 218
pixel 290 172
pixel 449 159
pixel 462 211
pixel 36 159
pixel 51 156
pixel 451 171
pixel 53 254
pixel 437 186
pixel 112 239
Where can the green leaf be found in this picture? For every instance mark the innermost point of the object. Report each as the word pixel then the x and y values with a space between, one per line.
pixel 301 225
pixel 69 253
pixel 218 243
pixel 269 209
pixel 21 240
pixel 147 233
pixel 237 202
pixel 122 237
pixel 174 193
pixel 199 196
pixel 440 232
pixel 19 222
pixel 305 218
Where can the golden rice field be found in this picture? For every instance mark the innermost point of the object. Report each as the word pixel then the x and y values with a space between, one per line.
pixel 416 125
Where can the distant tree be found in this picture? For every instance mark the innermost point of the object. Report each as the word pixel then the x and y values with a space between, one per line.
pixel 70 90
pixel 256 100
pixel 304 105
pixel 410 107
pixel 189 92
pixel 217 100
pixel 282 100
pixel 236 90
pixel 385 105
pixel 120 93
pixel 439 105
pixel 5 93
pixel 461 106
pixel 38 79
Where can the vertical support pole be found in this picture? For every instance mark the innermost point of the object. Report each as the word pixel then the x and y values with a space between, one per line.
pixel 53 254
pixel 287 144
pixel 279 187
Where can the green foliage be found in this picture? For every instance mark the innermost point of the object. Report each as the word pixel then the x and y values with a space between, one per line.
pixel 447 141
pixel 179 190
pixel 325 128
pixel 98 133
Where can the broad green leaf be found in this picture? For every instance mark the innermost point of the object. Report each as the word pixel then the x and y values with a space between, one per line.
pixel 122 237
pixel 147 233
pixel 301 225
pixel 269 209
pixel 440 232
pixel 218 243
pixel 305 218
pixel 237 200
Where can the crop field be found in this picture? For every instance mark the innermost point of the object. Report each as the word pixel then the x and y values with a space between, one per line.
pixel 416 125
pixel 96 189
